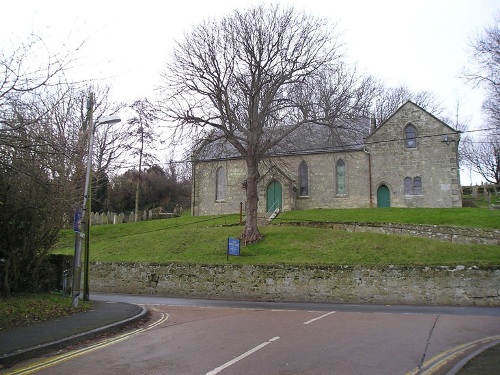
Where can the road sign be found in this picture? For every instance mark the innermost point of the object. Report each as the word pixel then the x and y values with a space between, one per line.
pixel 233 246
pixel 77 221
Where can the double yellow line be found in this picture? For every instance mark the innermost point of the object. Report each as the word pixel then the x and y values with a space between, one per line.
pixel 435 364
pixel 79 352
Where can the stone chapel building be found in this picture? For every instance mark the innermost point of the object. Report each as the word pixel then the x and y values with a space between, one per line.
pixel 410 160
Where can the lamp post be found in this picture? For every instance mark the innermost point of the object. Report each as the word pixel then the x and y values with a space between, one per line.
pixel 85 213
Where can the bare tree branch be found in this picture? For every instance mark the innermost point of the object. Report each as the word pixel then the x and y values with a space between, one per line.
pixel 250 78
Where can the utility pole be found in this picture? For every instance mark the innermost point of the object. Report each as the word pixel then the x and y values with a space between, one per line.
pixel 88 207
pixel 85 214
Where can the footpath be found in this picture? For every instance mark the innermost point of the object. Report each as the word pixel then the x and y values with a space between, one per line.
pixel 22 343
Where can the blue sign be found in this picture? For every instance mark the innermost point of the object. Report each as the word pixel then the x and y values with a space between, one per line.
pixel 77 221
pixel 233 246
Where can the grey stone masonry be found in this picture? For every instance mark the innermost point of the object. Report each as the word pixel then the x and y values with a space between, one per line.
pixel 337 284
pixel 380 171
pixel 434 159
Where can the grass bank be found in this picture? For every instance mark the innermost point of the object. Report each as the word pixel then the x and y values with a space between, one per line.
pixel 460 217
pixel 203 240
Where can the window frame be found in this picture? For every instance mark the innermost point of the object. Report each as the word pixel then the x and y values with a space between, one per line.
pixel 303 172
pixel 338 192
pixel 410 136
pixel 220 184
pixel 417 186
pixel 408 186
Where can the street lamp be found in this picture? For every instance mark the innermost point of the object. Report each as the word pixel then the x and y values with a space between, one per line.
pixel 85 213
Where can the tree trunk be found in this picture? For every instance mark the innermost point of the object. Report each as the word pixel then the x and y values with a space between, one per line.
pixel 251 232
pixel 137 192
pixel 5 288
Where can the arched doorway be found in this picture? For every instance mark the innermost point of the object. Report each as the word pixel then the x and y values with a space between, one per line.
pixel 273 196
pixel 383 196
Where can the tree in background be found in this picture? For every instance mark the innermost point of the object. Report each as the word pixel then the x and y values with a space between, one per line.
pixel 483 155
pixel 247 79
pixel 31 205
pixel 142 140
pixel 389 99
pixel 43 151
pixel 163 188
pixel 121 193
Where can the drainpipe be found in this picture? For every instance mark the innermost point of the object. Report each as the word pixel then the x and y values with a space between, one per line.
pixel 193 185
pixel 369 176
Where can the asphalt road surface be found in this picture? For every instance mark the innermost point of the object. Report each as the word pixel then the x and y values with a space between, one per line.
pixel 187 336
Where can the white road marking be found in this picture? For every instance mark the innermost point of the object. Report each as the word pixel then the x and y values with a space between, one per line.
pixel 319 317
pixel 239 358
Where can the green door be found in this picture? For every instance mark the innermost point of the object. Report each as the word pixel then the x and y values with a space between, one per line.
pixel 274 197
pixel 383 196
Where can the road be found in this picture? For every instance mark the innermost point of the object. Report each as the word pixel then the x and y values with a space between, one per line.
pixel 186 336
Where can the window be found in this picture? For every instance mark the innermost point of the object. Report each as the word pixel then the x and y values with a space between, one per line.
pixel 220 185
pixel 413 187
pixel 410 136
pixel 303 179
pixel 408 186
pixel 340 178
pixel 417 186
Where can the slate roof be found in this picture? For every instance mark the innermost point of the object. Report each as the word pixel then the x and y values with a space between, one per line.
pixel 346 135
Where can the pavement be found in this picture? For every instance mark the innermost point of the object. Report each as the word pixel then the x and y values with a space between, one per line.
pixel 23 343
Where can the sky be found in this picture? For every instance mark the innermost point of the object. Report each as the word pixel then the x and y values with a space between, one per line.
pixel 424 45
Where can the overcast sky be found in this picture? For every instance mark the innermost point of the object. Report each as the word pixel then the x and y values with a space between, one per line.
pixel 422 44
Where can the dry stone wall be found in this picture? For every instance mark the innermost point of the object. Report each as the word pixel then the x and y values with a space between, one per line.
pixel 462 235
pixel 339 284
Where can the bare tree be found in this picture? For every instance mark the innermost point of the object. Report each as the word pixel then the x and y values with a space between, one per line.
pixel 486 71
pixel 141 135
pixel 483 157
pixel 27 69
pixel 389 99
pixel 30 213
pixel 245 79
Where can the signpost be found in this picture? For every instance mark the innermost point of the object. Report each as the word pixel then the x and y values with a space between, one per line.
pixel 77 221
pixel 233 247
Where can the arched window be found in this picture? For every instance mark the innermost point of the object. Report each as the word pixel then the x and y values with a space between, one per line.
pixel 408 186
pixel 410 136
pixel 303 179
pixel 340 187
pixel 417 186
pixel 220 185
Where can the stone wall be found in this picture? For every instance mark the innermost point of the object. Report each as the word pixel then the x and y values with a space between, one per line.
pixel 321 183
pixel 482 236
pixel 384 162
pixel 338 284
pixel 434 159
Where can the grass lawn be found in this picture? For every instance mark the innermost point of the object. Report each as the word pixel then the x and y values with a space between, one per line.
pixel 462 217
pixel 204 240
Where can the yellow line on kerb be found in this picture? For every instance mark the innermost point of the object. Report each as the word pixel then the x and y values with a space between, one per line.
pixel 79 352
pixel 434 364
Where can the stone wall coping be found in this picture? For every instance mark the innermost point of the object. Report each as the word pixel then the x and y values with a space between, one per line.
pixel 442 233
